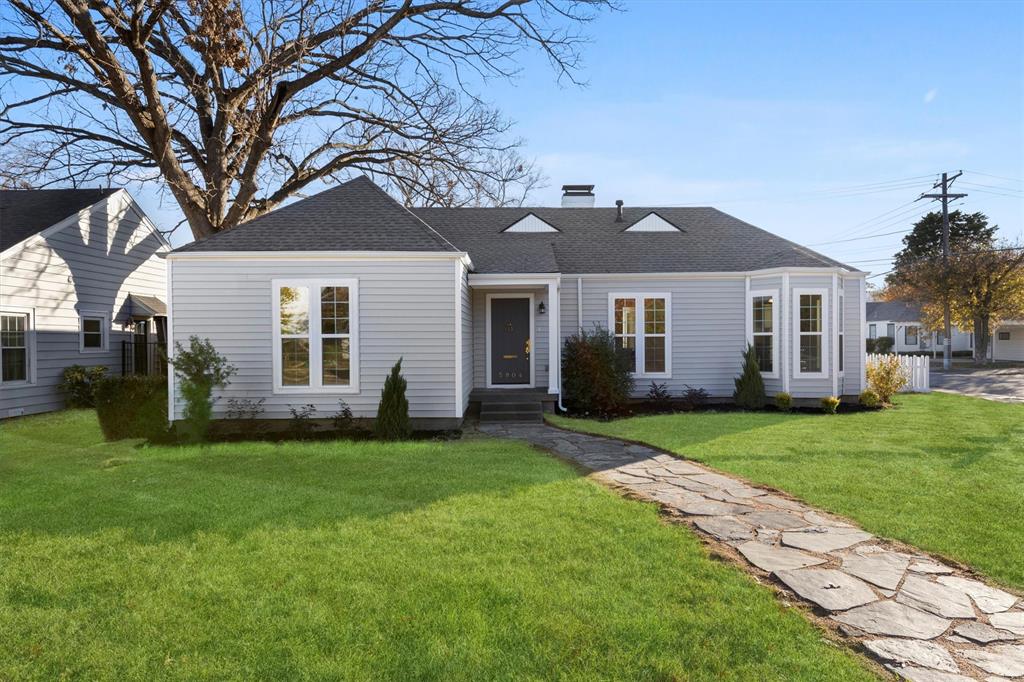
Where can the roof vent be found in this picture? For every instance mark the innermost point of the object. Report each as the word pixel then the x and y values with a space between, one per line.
pixel 618 210
pixel 577 196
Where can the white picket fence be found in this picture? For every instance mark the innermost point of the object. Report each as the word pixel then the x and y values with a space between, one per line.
pixel 915 367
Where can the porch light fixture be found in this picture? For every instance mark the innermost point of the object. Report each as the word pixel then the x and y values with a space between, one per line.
pixel 541 308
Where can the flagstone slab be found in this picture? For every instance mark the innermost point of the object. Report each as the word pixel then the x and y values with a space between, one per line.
pixel 626 479
pixel 769 558
pixel 725 527
pixel 925 675
pixel 929 567
pixel 988 599
pixel 906 652
pixel 718 481
pixel 999 659
pixel 706 507
pixel 894 619
pixel 778 520
pixel 885 569
pixel 824 539
pixel 1012 621
pixel 816 518
pixel 782 503
pixel 682 468
pixel 828 588
pixel 983 633
pixel 935 598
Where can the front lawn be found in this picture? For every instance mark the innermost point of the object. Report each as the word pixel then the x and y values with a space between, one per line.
pixel 942 472
pixel 476 559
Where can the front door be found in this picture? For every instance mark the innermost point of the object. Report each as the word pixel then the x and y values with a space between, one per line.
pixel 510 341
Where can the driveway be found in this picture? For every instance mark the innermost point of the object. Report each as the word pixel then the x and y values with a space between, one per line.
pixel 1005 384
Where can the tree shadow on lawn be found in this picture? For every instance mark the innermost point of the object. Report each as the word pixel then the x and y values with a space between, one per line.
pixel 161 494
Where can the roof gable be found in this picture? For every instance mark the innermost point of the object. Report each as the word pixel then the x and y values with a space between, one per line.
pixel 530 223
pixel 27 212
pixel 652 222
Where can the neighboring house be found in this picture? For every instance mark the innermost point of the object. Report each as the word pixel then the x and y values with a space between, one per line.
pixel 1008 341
pixel 901 321
pixel 82 282
pixel 315 301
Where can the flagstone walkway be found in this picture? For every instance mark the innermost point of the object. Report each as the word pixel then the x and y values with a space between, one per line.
pixel 924 620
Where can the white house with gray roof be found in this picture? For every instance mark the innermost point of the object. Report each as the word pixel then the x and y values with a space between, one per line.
pixel 314 302
pixel 82 282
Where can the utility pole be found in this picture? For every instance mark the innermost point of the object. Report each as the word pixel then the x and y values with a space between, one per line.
pixel 945 196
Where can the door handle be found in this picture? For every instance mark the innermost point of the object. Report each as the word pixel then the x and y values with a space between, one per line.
pixel 527 346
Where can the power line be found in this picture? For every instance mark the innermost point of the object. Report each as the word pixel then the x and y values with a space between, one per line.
pixel 997 177
pixel 999 187
pixel 857 239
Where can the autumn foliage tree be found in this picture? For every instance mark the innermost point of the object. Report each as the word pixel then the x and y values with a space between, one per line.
pixel 238 105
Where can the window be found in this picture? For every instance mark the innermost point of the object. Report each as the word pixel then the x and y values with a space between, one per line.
pixel 315 345
pixel 14 346
pixel 810 313
pixel 872 331
pixel 641 324
pixel 910 335
pixel 92 333
pixel 890 330
pixel 763 325
pixel 1004 336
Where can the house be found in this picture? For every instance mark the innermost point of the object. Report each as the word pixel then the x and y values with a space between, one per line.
pixel 82 282
pixel 1008 342
pixel 901 321
pixel 314 302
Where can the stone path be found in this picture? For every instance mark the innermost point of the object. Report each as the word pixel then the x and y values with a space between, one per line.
pixel 924 620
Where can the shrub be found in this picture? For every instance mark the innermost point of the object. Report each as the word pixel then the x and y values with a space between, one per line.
pixel 783 401
pixel 869 345
pixel 301 426
pixel 869 398
pixel 78 384
pixel 343 418
pixel 393 412
pixel 749 393
pixel 659 398
pixel 884 344
pixel 244 408
pixel 199 369
pixel 830 404
pixel 132 407
pixel 885 377
pixel 693 397
pixel 596 375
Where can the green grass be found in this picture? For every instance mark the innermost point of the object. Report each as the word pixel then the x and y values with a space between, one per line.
pixel 939 471
pixel 477 559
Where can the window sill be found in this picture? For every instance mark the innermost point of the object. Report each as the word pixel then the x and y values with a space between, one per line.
pixel 652 376
pixel 315 390
pixel 92 351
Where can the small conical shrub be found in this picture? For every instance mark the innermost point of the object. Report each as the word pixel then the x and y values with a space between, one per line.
pixel 749 393
pixel 393 412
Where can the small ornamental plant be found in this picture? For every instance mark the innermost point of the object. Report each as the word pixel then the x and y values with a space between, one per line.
pixel 886 377
pixel 749 393
pixel 597 375
pixel 783 401
pixel 869 399
pixel 830 404
pixel 393 421
pixel 199 369
pixel 659 398
pixel 78 384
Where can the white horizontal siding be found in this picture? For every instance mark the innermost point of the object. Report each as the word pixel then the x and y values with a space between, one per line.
pixel 406 309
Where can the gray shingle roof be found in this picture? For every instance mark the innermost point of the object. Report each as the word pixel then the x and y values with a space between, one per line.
pixel 25 212
pixel 893 311
pixel 359 216
pixel 354 216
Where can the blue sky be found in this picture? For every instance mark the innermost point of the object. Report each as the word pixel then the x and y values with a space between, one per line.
pixel 770 111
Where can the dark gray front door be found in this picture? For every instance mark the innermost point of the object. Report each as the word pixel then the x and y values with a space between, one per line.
pixel 510 341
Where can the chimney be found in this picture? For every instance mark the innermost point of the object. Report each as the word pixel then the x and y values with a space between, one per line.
pixel 618 210
pixel 577 196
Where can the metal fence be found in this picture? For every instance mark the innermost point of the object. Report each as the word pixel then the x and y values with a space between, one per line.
pixel 138 357
pixel 916 368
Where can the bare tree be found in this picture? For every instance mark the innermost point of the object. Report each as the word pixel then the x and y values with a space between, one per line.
pixel 237 106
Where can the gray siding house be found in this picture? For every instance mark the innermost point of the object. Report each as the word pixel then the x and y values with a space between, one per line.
pixel 315 301
pixel 81 272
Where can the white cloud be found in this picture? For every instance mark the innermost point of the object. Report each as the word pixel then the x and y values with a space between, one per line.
pixel 929 96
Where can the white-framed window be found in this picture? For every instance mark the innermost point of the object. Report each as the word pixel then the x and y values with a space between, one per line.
pixel 642 325
pixel 763 310
pixel 872 331
pixel 810 318
pixel 890 331
pixel 910 335
pixel 1004 336
pixel 316 336
pixel 93 331
pixel 16 356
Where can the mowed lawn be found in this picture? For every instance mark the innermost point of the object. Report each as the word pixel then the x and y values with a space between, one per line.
pixel 942 472
pixel 475 559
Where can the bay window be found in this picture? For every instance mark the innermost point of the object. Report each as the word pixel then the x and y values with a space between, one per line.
pixel 14 347
pixel 315 339
pixel 641 324
pixel 809 315
pixel 763 325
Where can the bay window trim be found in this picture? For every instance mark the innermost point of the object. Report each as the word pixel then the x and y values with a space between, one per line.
pixel 775 334
pixel 824 333
pixel 316 336
pixel 640 334
pixel 104 319
pixel 30 343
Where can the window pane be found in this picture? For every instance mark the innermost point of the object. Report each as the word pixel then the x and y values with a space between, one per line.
pixel 872 331
pixel 910 336
pixel 336 362
pixel 654 316
pixel 810 353
pixel 890 331
pixel 625 316
pixel 627 345
pixel 763 314
pixel 91 325
pixel 841 352
pixel 334 310
pixel 294 310
pixel 810 312
pixel 654 354
pixel 763 352
pixel 92 340
pixel 12 331
pixel 295 362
